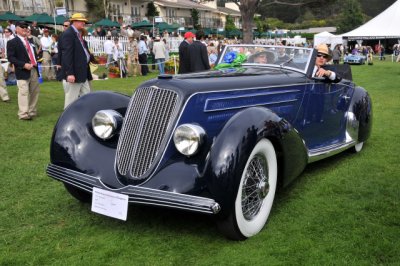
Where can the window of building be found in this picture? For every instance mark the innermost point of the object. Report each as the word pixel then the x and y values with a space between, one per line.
pixel 116 12
pixel 170 12
pixel 5 4
pixel 36 6
pixel 135 11
pixel 16 5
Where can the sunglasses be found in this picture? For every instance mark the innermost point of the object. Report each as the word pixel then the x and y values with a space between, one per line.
pixel 323 55
pixel 66 26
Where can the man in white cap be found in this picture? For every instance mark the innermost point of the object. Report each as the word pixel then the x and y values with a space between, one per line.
pixel 75 59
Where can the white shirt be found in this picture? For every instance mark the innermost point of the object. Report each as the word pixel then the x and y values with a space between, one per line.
pixel 46 43
pixel 159 50
pixel 108 46
pixel 331 77
pixel 12 27
pixel 117 51
pixel 130 32
pixel 5 44
pixel 143 47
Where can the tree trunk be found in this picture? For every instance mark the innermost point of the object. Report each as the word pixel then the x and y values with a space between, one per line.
pixel 247 26
pixel 247 10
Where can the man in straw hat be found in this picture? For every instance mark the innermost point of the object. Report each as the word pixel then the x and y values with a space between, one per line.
pixel 323 56
pixel 75 59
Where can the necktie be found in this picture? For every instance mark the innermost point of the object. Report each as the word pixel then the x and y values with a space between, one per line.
pixel 84 47
pixel 81 39
pixel 29 50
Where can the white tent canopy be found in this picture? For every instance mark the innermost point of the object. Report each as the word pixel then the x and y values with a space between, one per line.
pixel 327 38
pixel 384 26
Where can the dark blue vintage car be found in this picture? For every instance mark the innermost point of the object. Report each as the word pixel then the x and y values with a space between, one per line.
pixel 218 142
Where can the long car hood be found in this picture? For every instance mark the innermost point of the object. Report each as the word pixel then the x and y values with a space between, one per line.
pixel 228 79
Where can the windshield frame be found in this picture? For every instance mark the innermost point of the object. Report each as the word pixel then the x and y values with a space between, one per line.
pixel 284 65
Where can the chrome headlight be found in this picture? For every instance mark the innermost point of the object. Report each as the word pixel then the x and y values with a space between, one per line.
pixel 106 123
pixel 188 138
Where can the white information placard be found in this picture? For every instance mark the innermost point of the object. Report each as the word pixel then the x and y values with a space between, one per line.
pixel 110 203
pixel 61 11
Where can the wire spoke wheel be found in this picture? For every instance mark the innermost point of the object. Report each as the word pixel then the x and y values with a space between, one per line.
pixel 255 194
pixel 255 187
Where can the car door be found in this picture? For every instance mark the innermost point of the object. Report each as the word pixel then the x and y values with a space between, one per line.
pixel 322 120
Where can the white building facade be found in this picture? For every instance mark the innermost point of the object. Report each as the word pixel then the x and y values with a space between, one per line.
pixel 131 11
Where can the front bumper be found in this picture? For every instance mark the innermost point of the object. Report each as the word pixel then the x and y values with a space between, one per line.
pixel 137 194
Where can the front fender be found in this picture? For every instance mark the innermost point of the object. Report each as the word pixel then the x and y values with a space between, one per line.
pixel 233 145
pixel 75 146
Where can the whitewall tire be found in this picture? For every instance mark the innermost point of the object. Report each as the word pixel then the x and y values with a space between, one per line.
pixel 255 194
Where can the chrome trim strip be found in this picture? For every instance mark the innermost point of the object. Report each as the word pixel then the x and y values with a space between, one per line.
pixel 137 194
pixel 252 95
pixel 322 153
pixel 251 105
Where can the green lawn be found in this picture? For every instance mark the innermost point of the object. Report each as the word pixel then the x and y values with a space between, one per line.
pixel 341 211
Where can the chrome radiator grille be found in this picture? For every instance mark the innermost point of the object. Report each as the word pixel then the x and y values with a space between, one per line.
pixel 150 112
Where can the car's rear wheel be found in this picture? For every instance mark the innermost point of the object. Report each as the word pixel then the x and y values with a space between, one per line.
pixel 255 194
pixel 358 147
pixel 78 194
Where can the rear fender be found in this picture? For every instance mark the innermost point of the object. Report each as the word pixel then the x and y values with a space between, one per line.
pixel 361 107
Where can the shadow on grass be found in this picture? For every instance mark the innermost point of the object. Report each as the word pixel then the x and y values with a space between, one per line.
pixel 149 220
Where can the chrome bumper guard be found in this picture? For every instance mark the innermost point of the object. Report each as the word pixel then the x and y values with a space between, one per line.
pixel 138 195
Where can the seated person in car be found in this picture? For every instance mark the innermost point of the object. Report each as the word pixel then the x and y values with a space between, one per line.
pixel 320 71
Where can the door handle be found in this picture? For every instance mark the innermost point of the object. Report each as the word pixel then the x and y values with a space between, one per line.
pixel 346 98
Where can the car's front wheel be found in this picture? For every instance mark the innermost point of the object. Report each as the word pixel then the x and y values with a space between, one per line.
pixel 78 194
pixel 255 194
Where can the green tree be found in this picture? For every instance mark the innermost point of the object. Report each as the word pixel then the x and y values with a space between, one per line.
pixel 196 18
pixel 248 9
pixel 98 9
pixel 152 10
pixel 230 24
pixel 351 16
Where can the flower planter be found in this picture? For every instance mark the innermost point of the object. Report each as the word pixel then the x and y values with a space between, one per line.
pixel 113 75
pixel 102 60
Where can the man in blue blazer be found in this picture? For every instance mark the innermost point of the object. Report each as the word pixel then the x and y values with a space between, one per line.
pixel 22 54
pixel 198 55
pixel 75 59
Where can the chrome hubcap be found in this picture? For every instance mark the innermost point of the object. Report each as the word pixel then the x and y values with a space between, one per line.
pixel 263 189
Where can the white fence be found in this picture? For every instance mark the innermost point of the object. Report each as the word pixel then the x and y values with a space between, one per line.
pixel 96 44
